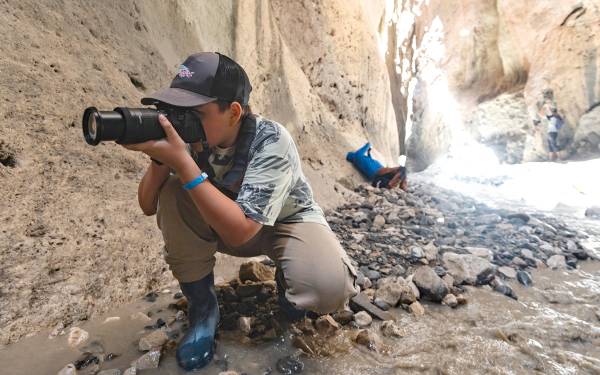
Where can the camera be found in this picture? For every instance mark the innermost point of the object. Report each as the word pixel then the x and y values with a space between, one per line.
pixel 135 125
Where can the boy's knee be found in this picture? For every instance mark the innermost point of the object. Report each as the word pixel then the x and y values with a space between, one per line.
pixel 323 293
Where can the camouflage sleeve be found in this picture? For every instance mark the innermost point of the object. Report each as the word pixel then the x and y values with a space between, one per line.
pixel 266 185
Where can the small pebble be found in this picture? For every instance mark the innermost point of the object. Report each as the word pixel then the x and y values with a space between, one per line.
pixel 290 365
pixel 151 297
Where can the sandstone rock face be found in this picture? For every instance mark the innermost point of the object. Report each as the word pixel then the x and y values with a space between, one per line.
pixel 478 70
pixel 315 67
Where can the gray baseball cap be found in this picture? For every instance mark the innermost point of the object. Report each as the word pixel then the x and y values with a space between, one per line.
pixel 203 78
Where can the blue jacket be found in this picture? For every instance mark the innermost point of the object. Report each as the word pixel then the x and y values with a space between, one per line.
pixel 363 161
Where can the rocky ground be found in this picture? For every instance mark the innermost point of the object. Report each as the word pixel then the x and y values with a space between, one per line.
pixel 424 245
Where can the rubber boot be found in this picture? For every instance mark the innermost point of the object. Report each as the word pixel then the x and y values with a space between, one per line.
pixel 364 162
pixel 196 348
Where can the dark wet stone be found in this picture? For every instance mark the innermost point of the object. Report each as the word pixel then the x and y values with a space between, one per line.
pixel 361 302
pixel 518 217
pixel 524 278
pixel 381 304
pixel 343 317
pixel 290 365
pixel 440 271
pixel 229 322
pixel 572 262
pixel 430 285
pixel 264 294
pixel 228 294
pixel 178 295
pixel 248 307
pixel 416 253
pixel 373 275
pixel 151 297
pixel 86 360
pixel 247 290
pixel 160 322
pixel 581 254
pixel 181 304
pixel 505 290
pixel 360 279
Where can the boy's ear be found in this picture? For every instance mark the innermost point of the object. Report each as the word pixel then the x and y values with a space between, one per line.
pixel 236 109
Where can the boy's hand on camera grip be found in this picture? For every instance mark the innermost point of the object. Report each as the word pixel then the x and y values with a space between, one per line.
pixel 171 151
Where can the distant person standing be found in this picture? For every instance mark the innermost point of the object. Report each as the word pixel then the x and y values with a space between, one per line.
pixel 549 111
pixel 555 122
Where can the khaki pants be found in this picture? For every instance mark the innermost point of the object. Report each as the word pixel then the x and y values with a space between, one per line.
pixel 317 273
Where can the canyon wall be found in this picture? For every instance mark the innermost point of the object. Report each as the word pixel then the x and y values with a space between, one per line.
pixel 479 69
pixel 74 241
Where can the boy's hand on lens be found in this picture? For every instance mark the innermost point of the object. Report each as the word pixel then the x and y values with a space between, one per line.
pixel 171 151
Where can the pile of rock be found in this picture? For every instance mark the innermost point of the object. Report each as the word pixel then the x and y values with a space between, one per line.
pixel 249 304
pixel 430 234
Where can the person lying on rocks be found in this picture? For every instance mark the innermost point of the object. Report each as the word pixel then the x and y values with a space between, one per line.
pixel 374 171
pixel 241 192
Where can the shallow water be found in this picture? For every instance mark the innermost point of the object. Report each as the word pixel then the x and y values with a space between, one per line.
pixel 551 329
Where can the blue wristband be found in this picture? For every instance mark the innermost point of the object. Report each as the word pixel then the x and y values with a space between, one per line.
pixel 195 182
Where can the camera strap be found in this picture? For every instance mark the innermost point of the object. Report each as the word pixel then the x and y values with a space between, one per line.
pixel 232 179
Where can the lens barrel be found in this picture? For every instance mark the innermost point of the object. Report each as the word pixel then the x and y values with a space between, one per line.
pixel 135 125
pixel 102 125
pixel 123 125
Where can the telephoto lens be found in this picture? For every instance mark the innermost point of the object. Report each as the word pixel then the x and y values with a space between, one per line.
pixel 135 125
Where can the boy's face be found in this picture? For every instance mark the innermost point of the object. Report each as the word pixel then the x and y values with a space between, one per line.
pixel 217 124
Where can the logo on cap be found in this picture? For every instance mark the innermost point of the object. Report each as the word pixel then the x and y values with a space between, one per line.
pixel 184 72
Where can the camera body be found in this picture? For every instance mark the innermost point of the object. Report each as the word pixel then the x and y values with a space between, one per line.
pixel 135 125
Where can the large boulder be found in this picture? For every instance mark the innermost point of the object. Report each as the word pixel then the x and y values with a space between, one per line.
pixel 468 269
pixel 430 285
pixel 394 291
